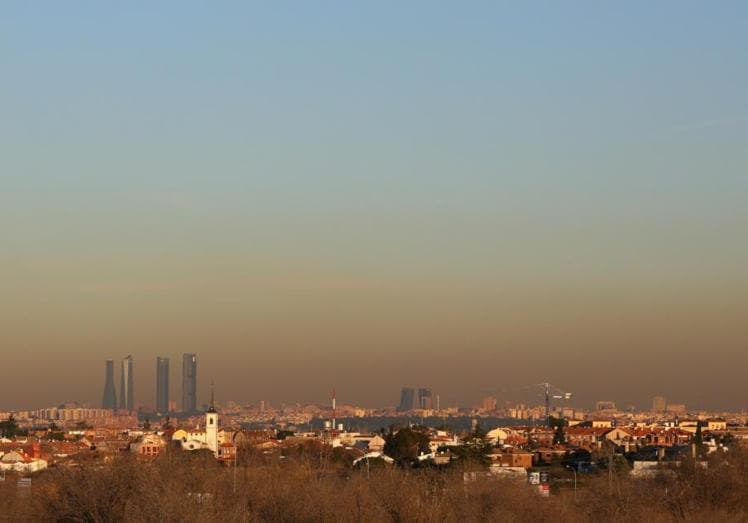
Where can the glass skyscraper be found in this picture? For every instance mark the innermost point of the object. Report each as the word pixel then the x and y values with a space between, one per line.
pixel 126 390
pixel 189 383
pixel 407 399
pixel 110 396
pixel 162 385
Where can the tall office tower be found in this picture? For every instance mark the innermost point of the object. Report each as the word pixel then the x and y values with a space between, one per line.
pixel 488 403
pixel 424 399
pixel 162 385
pixel 126 392
pixel 407 399
pixel 659 404
pixel 189 383
pixel 110 396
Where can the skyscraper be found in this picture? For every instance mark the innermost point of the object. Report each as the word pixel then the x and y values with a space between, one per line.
pixel 189 383
pixel 162 385
pixel 659 404
pixel 110 396
pixel 407 399
pixel 489 403
pixel 126 392
pixel 425 400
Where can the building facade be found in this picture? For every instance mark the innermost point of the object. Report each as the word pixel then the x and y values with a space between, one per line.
pixel 425 399
pixel 162 385
pixel 659 404
pixel 110 396
pixel 189 383
pixel 407 399
pixel 126 390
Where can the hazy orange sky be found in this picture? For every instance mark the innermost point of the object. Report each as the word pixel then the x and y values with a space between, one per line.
pixel 363 198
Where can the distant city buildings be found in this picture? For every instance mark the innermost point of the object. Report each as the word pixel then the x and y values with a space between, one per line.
pixel 411 399
pixel 109 400
pixel 407 399
pixel 425 400
pixel 659 404
pixel 189 382
pixel 488 404
pixel 127 390
pixel 605 405
pixel 162 385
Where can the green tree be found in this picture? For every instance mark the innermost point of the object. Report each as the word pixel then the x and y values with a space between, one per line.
pixel 471 455
pixel 698 438
pixel 728 440
pixel 9 427
pixel 479 432
pixel 559 438
pixel 55 435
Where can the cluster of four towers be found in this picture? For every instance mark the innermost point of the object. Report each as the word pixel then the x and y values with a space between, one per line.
pixel 127 390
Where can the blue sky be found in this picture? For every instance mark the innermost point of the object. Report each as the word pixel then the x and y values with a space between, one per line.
pixel 492 153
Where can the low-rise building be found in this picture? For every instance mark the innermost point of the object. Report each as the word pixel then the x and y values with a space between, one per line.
pixel 148 445
pixel 511 458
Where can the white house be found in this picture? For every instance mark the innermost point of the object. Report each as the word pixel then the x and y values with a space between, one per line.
pixel 21 462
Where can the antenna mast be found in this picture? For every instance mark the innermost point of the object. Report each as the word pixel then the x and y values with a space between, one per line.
pixel 333 410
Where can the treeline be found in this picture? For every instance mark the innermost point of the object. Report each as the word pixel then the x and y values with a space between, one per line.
pixel 192 487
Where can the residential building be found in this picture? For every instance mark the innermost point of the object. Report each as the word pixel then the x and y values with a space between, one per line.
pixel 512 458
pixel 605 405
pixel 148 446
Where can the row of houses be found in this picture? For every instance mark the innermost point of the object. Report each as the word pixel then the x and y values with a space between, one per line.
pixel 513 447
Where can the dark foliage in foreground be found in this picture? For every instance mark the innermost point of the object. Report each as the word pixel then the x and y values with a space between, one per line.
pixel 183 487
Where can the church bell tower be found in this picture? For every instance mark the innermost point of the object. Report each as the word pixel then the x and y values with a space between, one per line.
pixel 211 424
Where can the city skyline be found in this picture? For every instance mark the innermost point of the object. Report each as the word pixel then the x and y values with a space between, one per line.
pixel 411 398
pixel 369 196
pixel 509 391
pixel 437 261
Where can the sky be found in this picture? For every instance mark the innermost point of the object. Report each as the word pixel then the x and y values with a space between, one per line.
pixel 470 196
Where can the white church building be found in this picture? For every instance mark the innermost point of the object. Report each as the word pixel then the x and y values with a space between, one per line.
pixel 208 438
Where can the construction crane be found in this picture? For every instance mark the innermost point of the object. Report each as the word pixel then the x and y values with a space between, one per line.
pixel 559 394
pixel 550 392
